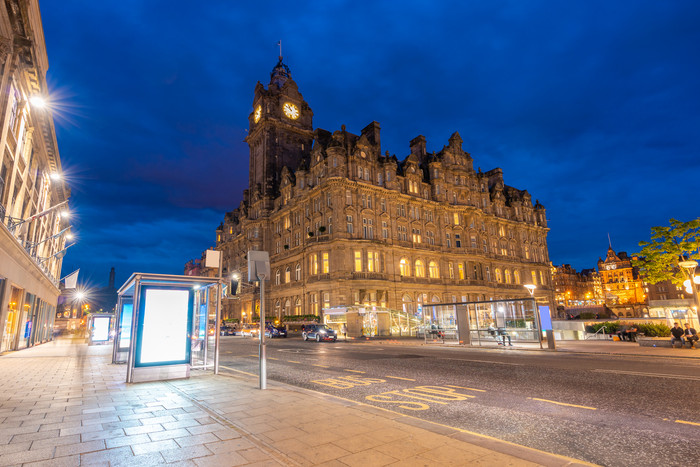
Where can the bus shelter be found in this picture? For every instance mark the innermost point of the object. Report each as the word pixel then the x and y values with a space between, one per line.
pixel 167 325
pixel 482 323
pixel 371 321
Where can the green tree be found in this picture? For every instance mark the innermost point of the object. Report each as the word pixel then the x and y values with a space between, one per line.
pixel 658 259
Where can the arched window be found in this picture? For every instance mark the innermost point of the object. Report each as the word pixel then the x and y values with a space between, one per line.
pixel 507 274
pixel 287 275
pixel 433 270
pixel 297 307
pixel 297 272
pixel 499 276
pixel 277 307
pixel 277 277
pixel 404 269
pixel 287 307
pixel 435 299
pixel 420 268
pixel 516 273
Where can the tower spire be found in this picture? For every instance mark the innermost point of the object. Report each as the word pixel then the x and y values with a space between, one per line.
pixel 280 45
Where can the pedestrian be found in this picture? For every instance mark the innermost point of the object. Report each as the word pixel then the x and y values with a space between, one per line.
pixel 691 335
pixel 677 333
pixel 502 332
pixel 344 330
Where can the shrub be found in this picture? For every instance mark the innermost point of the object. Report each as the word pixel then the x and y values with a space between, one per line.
pixel 610 327
pixel 295 318
pixel 654 329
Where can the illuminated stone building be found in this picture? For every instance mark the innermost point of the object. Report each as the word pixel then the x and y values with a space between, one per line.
pixel 572 288
pixel 346 224
pixel 620 281
pixel 32 230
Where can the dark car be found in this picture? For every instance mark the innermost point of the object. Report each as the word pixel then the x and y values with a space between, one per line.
pixel 272 332
pixel 320 332
pixel 227 331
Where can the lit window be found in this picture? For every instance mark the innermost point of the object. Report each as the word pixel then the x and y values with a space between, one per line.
pixel 404 269
pixel 433 270
pixel 358 261
pixel 451 270
pixel 287 275
pixel 460 271
pixel 313 264
pixel 420 268
pixel 297 272
pixel 325 268
pixel 499 276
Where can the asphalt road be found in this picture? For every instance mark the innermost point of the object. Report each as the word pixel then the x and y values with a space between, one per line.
pixel 608 410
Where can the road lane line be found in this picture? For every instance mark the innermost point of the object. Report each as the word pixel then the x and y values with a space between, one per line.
pixel 653 375
pixel 462 387
pixel 293 361
pixel 398 377
pixel 687 423
pixel 238 371
pixel 482 361
pixel 562 403
pixel 355 371
pixel 322 366
pixel 272 358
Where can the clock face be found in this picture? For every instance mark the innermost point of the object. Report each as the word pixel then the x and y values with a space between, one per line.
pixel 258 114
pixel 291 111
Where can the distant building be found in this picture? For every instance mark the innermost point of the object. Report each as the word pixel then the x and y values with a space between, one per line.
pixel 572 288
pixel 193 267
pixel 346 224
pixel 105 298
pixel 32 192
pixel 620 280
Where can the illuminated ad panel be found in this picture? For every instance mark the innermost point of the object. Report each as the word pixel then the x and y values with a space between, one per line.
pixel 100 328
pixel 165 319
pixel 125 326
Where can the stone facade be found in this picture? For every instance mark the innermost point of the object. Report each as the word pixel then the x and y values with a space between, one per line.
pixel 346 224
pixel 620 280
pixel 32 230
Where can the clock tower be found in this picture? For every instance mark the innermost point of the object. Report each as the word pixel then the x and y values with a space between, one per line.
pixel 280 131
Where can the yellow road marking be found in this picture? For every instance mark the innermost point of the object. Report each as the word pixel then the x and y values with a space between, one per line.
pixel 687 423
pixel 272 358
pixel 355 371
pixel 293 361
pixel 238 371
pixel 398 377
pixel 562 403
pixel 462 387
pixel 322 366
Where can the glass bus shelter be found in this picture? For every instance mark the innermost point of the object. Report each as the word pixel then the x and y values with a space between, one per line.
pixel 371 321
pixel 166 325
pixel 482 323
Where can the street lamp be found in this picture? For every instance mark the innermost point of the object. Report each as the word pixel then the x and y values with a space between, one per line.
pixel 689 268
pixel 531 288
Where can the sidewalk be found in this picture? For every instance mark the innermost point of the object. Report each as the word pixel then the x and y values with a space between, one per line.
pixel 606 347
pixel 64 404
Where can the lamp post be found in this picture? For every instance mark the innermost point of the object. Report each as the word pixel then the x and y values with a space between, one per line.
pixel 531 288
pixel 689 268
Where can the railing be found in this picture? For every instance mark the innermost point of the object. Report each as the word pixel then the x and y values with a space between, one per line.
pixel 596 335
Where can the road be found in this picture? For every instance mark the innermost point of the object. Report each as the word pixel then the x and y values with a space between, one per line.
pixel 608 410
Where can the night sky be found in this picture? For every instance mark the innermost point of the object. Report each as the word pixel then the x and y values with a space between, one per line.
pixel 592 106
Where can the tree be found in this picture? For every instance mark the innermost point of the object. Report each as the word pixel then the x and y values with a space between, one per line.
pixel 658 259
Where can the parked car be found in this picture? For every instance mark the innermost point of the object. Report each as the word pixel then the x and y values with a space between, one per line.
pixel 320 332
pixel 272 331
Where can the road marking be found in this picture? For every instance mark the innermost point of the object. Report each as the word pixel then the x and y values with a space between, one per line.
pixel 462 387
pixel 322 366
pixel 348 382
pixel 355 371
pixel 238 371
pixel 272 358
pixel 432 394
pixel 562 403
pixel 687 423
pixel 482 361
pixel 653 375
pixel 293 361
pixel 398 377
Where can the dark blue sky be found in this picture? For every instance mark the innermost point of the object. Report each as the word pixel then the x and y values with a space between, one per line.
pixel 592 106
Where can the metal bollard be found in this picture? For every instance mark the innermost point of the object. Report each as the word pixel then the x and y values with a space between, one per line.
pixel 551 344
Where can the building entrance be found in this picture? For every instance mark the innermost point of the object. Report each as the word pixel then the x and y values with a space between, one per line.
pixel 14 306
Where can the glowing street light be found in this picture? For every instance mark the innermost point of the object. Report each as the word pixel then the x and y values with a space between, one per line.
pixel 55 176
pixel 689 268
pixel 37 101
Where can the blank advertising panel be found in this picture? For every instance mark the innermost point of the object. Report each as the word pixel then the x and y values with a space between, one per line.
pixel 100 328
pixel 165 320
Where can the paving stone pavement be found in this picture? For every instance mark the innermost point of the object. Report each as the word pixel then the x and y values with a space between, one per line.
pixel 65 404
